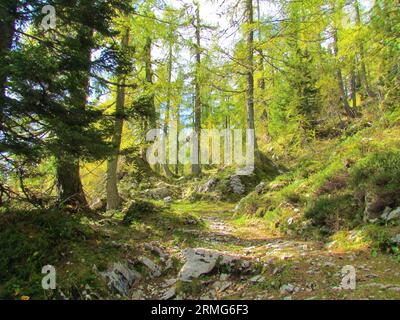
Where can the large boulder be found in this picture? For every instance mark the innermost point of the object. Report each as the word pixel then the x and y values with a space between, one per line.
pixel 236 185
pixel 201 261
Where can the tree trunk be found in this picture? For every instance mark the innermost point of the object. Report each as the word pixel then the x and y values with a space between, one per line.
pixel 69 185
pixel 338 69
pixel 149 79
pixel 167 171
pixel 354 90
pixel 250 68
pixel 261 82
pixel 364 76
pixel 177 116
pixel 196 169
pixel 113 198
pixel 70 190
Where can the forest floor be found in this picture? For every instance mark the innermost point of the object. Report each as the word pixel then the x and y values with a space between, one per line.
pixel 287 268
pixel 145 259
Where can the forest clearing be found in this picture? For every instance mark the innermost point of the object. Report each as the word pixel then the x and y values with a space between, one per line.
pixel 200 150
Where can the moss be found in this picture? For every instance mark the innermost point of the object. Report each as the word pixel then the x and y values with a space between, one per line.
pixel 378 171
pixel 138 209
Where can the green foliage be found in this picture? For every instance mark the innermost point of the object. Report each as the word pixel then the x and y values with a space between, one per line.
pixel 31 240
pixel 138 209
pixel 378 171
pixel 334 212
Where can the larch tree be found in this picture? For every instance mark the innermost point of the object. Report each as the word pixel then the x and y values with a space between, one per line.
pixel 113 197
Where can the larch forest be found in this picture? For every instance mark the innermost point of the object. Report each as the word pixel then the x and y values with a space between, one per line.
pixel 199 149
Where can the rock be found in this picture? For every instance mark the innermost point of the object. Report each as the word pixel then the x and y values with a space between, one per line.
pixel 236 185
pixel 389 214
pixel 396 239
pixel 260 188
pixel 155 270
pixel 159 193
pixel 169 294
pixel 374 206
pixel 168 200
pixel 257 279
pixel 209 186
pixel 201 261
pixel 221 285
pixel 169 282
pixel 120 278
pixel 287 289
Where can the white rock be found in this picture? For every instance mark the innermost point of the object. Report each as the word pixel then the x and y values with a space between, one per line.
pixel 236 185
pixel 167 199
pixel 201 261
pixel 155 270
pixel 287 288
pixel 395 214
pixel 258 278
pixel 120 278
pixel 169 294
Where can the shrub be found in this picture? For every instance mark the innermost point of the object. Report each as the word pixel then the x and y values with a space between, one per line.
pixel 334 212
pixel 29 241
pixel 378 171
pixel 138 209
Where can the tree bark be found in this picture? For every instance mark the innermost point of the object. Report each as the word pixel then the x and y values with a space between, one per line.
pixel 354 90
pixel 69 185
pixel 339 75
pixel 177 117
pixel 196 169
pixel 167 171
pixel 261 82
pixel 149 79
pixel 250 68
pixel 364 76
pixel 113 198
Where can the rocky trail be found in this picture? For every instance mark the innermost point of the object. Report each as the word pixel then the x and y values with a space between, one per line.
pixel 229 260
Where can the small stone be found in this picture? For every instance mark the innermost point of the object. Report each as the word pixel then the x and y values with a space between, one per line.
pixel 287 288
pixel 221 285
pixel 155 270
pixel 169 294
pixel 137 295
pixel 168 200
pixel 169 282
pixel 394 214
pixel 396 239
pixel 257 279
pixel 224 277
